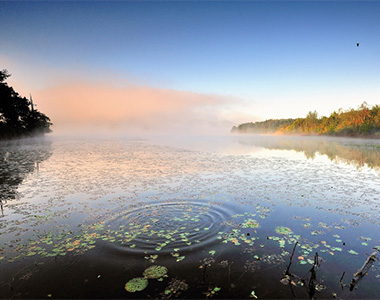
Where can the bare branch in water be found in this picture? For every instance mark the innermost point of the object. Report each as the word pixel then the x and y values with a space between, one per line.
pixel 363 270
pixel 290 261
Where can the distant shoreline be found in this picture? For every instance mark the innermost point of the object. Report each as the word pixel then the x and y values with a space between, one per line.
pixel 371 136
pixel 364 122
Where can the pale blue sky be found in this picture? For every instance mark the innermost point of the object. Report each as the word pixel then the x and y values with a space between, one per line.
pixel 279 58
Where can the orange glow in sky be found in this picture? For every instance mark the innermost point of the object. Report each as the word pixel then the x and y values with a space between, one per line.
pixel 84 105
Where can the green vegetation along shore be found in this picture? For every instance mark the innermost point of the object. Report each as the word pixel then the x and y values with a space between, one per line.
pixel 363 121
pixel 18 117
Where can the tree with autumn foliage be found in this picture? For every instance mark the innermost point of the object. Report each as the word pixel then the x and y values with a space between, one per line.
pixel 363 121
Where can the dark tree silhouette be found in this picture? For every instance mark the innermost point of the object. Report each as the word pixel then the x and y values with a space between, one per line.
pixel 17 117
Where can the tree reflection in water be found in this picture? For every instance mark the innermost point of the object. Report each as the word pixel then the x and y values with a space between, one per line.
pixel 18 159
pixel 357 152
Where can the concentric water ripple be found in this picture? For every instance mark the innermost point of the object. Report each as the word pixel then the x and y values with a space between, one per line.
pixel 167 227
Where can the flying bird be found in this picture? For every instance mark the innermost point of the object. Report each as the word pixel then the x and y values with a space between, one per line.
pixel 357 44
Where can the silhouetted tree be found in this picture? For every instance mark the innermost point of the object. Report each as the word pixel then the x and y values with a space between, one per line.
pixel 16 116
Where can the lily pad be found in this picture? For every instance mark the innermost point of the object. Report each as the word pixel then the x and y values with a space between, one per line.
pixel 136 284
pixel 250 223
pixel 154 272
pixel 283 230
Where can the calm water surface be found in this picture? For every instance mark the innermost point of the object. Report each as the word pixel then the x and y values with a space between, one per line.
pixel 219 217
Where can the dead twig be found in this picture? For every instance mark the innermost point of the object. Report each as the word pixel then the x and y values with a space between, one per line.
pixel 341 281
pixel 313 276
pixel 287 272
pixel 363 270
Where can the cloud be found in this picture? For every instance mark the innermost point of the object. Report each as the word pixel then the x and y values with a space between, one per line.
pixel 95 106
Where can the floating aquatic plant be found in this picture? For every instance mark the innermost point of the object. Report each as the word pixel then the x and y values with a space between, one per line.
pixel 176 286
pixel 212 291
pixel 151 258
pixel 250 223
pixel 320 287
pixel 253 295
pixel 155 272
pixel 283 230
pixel 180 258
pixel 136 284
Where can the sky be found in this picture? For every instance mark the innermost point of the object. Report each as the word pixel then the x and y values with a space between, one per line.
pixel 189 66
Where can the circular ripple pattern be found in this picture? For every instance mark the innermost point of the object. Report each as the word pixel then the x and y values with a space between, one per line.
pixel 167 227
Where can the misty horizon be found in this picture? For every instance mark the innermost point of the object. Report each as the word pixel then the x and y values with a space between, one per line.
pixel 189 67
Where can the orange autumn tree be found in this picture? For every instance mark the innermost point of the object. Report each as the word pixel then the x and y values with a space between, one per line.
pixel 363 121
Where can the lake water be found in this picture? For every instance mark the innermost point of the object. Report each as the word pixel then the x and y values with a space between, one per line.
pixel 219 217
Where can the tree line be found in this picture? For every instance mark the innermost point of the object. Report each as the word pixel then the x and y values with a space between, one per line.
pixel 18 117
pixel 363 121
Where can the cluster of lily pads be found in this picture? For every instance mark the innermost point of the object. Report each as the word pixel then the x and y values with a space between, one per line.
pixel 175 288
pixel 61 241
pixel 175 238
pixel 235 235
pixel 185 230
pixel 139 284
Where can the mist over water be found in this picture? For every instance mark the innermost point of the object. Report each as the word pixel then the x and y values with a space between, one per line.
pixel 121 108
pixel 83 216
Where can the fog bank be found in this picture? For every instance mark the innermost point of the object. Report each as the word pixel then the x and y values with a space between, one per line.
pixel 80 107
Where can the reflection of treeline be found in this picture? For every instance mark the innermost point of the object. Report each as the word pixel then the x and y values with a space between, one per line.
pixel 363 121
pixel 346 150
pixel 18 117
pixel 17 160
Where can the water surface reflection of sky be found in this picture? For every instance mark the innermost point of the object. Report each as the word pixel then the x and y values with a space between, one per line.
pixel 136 200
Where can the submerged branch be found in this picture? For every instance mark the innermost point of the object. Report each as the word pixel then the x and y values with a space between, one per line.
pixel 341 280
pixel 363 270
pixel 291 258
pixel 313 276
